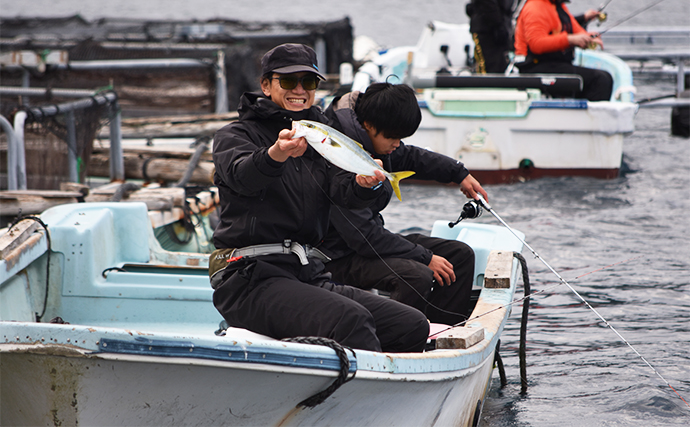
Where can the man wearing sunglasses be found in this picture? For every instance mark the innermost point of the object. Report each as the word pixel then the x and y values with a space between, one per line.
pixel 275 197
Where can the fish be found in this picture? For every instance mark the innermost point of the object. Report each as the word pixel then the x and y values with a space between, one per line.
pixel 344 152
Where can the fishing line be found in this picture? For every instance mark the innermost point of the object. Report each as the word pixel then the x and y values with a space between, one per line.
pixel 486 206
pixel 604 5
pixel 533 293
pixel 629 17
pixel 376 252
pixel 469 211
pixel 656 98
pixel 608 266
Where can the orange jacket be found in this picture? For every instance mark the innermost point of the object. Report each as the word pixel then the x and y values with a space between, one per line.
pixel 539 29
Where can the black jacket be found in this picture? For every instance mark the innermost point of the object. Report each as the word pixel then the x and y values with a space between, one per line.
pixel 263 201
pixel 343 239
pixel 491 16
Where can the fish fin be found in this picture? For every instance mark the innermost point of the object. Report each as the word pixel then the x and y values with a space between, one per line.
pixel 333 143
pixel 397 177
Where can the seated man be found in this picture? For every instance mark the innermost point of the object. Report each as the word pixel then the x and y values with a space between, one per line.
pixel 434 275
pixel 275 197
pixel 546 35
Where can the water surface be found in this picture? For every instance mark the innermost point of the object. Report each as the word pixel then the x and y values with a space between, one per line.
pixel 580 373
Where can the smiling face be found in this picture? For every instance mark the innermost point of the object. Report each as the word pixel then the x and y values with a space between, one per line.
pixel 382 145
pixel 296 99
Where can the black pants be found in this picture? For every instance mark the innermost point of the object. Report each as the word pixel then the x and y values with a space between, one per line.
pixel 490 55
pixel 276 296
pixel 411 282
pixel 597 84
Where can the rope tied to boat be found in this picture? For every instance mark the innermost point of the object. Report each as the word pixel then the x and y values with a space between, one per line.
pixel 321 396
pixel 123 191
pixel 201 145
pixel 20 217
pixel 522 351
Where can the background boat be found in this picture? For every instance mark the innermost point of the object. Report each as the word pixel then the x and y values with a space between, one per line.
pixel 511 127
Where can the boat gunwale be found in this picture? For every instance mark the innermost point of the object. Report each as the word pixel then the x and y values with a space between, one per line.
pixel 91 339
pixel 90 335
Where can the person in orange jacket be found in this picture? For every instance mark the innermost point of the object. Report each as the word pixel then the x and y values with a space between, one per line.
pixel 546 35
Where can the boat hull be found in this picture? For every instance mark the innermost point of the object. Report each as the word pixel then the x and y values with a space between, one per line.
pixel 40 388
pixel 552 139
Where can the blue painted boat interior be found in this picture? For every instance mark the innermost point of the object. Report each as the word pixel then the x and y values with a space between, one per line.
pixel 110 277
pixel 619 70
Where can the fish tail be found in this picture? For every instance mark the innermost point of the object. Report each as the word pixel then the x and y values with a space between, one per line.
pixel 395 182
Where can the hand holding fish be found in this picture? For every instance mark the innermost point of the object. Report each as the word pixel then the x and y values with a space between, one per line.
pixel 368 181
pixel 287 146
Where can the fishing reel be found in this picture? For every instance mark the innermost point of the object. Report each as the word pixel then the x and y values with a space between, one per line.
pixel 471 210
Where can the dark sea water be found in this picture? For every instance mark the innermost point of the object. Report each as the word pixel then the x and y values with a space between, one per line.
pixel 635 230
pixel 580 373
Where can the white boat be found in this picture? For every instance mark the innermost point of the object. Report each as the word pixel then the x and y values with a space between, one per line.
pixel 140 346
pixel 503 127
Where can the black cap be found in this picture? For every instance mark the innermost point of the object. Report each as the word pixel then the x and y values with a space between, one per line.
pixel 290 58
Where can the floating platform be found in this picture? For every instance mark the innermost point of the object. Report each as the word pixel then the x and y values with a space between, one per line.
pixel 157 67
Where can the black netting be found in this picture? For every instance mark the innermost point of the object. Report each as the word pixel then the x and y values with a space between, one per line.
pixel 47 147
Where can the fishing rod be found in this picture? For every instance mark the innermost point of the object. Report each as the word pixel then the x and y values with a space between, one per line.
pixel 532 294
pixel 601 16
pixel 470 210
pixel 629 17
pixel 486 206
pixel 601 8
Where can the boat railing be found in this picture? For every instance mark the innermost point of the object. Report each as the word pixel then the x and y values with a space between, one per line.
pixel 653 50
pixel 658 37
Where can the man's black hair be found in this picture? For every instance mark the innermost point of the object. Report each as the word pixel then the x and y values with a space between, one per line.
pixel 391 109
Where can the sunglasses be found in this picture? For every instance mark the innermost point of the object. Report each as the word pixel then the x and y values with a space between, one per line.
pixel 309 82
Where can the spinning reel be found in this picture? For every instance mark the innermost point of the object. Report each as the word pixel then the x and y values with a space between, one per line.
pixel 471 210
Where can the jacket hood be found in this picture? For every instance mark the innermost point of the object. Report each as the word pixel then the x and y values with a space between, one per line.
pixel 344 109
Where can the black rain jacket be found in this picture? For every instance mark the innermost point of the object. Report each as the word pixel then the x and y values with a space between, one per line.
pixel 263 201
pixel 343 239
pixel 491 16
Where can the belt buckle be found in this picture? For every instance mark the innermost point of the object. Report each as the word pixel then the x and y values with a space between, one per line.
pixel 301 253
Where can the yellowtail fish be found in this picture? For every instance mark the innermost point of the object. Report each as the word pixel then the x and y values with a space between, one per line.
pixel 344 152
